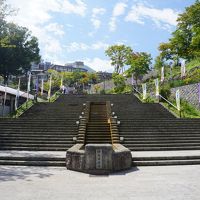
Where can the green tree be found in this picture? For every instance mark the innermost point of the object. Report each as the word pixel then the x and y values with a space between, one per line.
pixel 119 81
pixel 5 10
pixel 118 55
pixel 185 40
pixel 139 64
pixel 16 58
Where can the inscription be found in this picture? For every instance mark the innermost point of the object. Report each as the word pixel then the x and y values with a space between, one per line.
pixel 98 158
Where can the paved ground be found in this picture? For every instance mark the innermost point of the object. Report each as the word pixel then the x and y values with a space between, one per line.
pixel 143 183
pixel 62 154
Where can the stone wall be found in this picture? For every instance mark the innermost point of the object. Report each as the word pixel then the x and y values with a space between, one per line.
pixel 190 93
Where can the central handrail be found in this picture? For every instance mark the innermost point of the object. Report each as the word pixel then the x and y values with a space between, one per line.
pixel 112 124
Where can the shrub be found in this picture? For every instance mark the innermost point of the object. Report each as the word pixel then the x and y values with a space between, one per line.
pixel 165 91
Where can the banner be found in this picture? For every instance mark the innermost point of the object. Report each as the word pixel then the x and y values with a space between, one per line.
pixel 49 92
pixel 4 101
pixel 28 85
pixel 183 68
pixel 132 79
pixel 162 74
pixel 5 95
pixel 144 89
pixel 36 85
pixel 42 87
pixel 178 103
pixel 17 95
pixel 157 86
pixel 199 93
pixel 61 82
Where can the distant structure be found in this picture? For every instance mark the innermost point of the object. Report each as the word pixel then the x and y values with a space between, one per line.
pixel 77 66
pixel 102 76
pixel 9 106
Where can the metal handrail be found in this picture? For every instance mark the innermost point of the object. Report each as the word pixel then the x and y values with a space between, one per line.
pixel 164 99
pixel 168 102
pixel 137 90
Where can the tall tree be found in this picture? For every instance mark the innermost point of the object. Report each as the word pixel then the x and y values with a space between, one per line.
pixel 118 55
pixel 185 41
pixel 16 58
pixel 139 64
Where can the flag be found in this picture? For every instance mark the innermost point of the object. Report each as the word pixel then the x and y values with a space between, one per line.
pixel 4 101
pixel 157 86
pixel 49 92
pixel 36 85
pixel 42 87
pixel 5 95
pixel 17 95
pixel 144 89
pixel 199 93
pixel 183 68
pixel 29 85
pixel 178 103
pixel 61 82
pixel 132 79
pixel 162 74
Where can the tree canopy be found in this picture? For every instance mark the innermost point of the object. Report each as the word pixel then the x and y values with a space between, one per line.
pixel 16 58
pixel 185 40
pixel 118 55
pixel 139 64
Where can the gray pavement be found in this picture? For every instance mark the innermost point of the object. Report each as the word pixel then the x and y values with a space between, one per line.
pixel 62 154
pixel 142 183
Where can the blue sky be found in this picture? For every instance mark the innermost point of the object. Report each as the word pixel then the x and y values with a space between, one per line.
pixel 73 30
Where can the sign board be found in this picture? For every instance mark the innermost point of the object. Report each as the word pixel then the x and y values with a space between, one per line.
pixel 98 158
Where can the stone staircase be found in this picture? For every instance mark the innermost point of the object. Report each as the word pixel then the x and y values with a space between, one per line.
pixel 143 127
pixel 98 129
pixel 44 127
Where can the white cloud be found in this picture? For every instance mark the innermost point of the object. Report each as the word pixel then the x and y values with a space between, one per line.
pixel 163 18
pixel 118 10
pixel 96 23
pixel 34 14
pixel 96 12
pixel 112 24
pixel 75 46
pixel 99 64
pixel 99 45
pixel 78 8
pixel 55 28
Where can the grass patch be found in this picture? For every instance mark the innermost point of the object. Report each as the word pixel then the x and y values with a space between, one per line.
pixel 187 110
pixel 23 108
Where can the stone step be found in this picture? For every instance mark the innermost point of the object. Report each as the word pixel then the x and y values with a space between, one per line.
pixel 166 162
pixel 161 141
pixel 25 148
pixel 7 142
pixel 33 163
pixel 172 148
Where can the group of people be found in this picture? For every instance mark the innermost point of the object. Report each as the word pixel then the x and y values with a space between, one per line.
pixel 67 90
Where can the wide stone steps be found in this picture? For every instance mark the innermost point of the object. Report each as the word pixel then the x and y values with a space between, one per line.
pixel 163 148
pixel 33 161
pixel 20 142
pixel 144 127
pixel 36 148
pixel 166 160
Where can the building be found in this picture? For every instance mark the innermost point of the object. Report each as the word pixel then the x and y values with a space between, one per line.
pixel 77 66
pixel 9 106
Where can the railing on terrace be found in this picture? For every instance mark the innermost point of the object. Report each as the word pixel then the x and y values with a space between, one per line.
pixel 158 97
